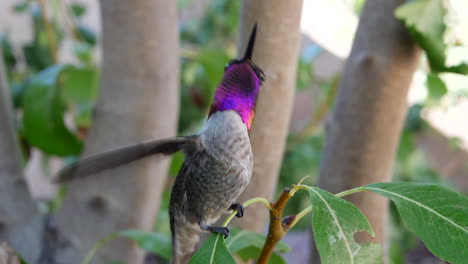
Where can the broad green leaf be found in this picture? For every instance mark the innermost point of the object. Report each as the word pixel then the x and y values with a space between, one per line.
pixel 334 222
pixel 436 87
pixel 425 22
pixel 213 251
pixel 43 109
pixel 240 239
pixel 150 241
pixel 436 214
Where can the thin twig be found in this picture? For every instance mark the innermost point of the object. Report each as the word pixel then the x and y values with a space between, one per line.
pixel 98 245
pixel 277 229
pixel 52 39
pixel 321 111
pixel 247 203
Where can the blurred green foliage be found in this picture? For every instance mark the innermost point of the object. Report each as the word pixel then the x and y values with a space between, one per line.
pixel 53 101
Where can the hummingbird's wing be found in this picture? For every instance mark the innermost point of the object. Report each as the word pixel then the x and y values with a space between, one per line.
pixel 116 157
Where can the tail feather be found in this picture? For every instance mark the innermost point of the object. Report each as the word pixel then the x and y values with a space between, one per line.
pixel 120 156
pixel 185 241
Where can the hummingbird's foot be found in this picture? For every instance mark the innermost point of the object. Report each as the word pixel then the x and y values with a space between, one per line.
pixel 219 230
pixel 239 208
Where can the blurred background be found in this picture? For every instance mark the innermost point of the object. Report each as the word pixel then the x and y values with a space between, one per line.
pixel 38 36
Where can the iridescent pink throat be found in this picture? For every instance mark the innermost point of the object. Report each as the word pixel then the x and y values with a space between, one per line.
pixel 238 91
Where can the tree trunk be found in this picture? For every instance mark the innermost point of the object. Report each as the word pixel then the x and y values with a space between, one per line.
pixel 365 126
pixel 20 221
pixel 138 102
pixel 276 52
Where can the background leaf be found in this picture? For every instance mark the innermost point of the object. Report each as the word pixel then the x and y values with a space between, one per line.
pixel 425 22
pixel 334 222
pixel 239 239
pixel 80 84
pixel 150 241
pixel 436 87
pixel 436 214
pixel 248 245
pixel 213 251
pixel 43 122
pixel 254 253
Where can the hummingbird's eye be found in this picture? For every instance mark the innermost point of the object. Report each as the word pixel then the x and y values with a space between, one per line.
pixel 229 64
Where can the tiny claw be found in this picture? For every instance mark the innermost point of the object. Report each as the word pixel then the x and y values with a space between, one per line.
pixel 219 230
pixel 239 208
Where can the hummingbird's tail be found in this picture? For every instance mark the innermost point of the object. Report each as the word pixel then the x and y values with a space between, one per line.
pixel 185 240
pixel 116 157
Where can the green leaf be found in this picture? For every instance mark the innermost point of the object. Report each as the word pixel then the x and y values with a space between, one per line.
pixel 461 68
pixel 436 87
pixel 425 22
pixel 334 222
pixel 38 57
pixel 78 9
pixel 254 252
pixel 21 7
pixel 87 34
pixel 213 251
pixel 213 62
pixel 176 163
pixel 240 239
pixel 43 115
pixel 150 241
pixel 83 52
pixel 436 214
pixel 80 84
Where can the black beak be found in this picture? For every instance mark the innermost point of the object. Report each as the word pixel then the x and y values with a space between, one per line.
pixel 250 46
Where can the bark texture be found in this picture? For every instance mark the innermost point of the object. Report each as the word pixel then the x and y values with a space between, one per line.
pixel 138 102
pixel 276 53
pixel 364 128
pixel 20 221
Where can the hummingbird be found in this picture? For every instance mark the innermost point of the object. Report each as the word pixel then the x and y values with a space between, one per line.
pixel 218 160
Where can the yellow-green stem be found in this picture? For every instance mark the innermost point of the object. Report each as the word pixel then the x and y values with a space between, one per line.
pixel 98 245
pixel 300 215
pixel 348 192
pixel 51 38
pixel 247 203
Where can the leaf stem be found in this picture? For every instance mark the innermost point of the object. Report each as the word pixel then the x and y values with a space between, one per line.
pixel 247 203
pixel 348 192
pixel 51 38
pixel 98 245
pixel 299 216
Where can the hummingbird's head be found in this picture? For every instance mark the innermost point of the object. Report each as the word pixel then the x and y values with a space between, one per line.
pixel 240 86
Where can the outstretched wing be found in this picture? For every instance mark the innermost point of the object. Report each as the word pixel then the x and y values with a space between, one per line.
pixel 116 157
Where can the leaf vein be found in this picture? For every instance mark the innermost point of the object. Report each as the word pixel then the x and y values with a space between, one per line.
pixel 422 206
pixel 332 213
